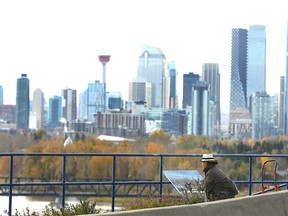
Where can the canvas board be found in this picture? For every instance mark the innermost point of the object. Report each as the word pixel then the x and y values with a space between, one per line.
pixel 180 178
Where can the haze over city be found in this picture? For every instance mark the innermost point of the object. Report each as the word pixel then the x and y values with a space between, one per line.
pixel 57 43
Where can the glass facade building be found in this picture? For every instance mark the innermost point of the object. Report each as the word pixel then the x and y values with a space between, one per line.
pixel 256 67
pixel 152 68
pixel 286 87
pixel 91 101
pixel 55 111
pixel 173 94
pixel 200 109
pixel 188 81
pixel 22 103
pixel 262 115
pixel 238 78
pixel 211 75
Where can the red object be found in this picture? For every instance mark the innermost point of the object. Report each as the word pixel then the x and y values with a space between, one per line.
pixel 104 58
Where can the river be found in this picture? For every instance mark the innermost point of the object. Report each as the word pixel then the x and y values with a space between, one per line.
pixel 22 203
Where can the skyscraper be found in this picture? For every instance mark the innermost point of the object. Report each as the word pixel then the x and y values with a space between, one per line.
pixel 211 75
pixel 38 107
pixel 172 94
pixel 69 104
pixel 152 68
pixel 140 91
pixel 286 87
pixel 95 98
pixel 1 95
pixel 238 79
pixel 55 111
pixel 200 108
pixel 188 81
pixel 256 67
pixel 281 106
pixel 262 115
pixel 22 103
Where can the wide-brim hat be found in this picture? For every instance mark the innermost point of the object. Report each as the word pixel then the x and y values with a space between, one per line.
pixel 208 158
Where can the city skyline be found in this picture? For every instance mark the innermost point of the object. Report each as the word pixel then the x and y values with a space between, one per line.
pixel 55 43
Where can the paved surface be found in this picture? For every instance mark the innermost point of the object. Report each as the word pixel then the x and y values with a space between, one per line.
pixel 273 203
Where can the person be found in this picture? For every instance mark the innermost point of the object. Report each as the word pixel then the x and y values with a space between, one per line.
pixel 217 185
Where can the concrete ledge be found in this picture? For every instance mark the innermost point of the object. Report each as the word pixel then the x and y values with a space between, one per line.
pixel 270 204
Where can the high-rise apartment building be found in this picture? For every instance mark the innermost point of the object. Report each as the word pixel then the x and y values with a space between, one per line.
pixel 262 115
pixel 211 75
pixel 91 101
pixel 22 103
pixel 1 95
pixel 188 81
pixel 69 104
pixel 200 109
pixel 140 92
pixel 38 107
pixel 152 68
pixel 256 67
pixel 55 111
pixel 83 112
pixel 238 78
pixel 281 106
pixel 286 88
pixel 173 93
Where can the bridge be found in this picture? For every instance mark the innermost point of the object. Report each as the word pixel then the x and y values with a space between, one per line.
pixel 114 187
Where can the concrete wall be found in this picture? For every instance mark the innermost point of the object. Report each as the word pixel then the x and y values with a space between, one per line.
pixel 270 204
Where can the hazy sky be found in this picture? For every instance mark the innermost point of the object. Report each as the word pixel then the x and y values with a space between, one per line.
pixel 57 43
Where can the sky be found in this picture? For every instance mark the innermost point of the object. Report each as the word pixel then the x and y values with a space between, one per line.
pixel 57 43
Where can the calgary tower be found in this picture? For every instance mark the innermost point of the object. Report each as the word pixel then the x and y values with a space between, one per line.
pixel 104 59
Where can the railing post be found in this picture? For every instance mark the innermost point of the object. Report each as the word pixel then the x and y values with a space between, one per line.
pixel 250 175
pixel 113 183
pixel 63 181
pixel 10 185
pixel 160 175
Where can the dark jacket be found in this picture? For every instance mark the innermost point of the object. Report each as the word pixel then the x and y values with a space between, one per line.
pixel 217 185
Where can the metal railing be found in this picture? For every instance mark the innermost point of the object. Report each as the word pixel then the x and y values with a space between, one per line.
pixel 63 183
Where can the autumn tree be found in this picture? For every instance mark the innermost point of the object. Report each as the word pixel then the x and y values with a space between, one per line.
pixel 159 136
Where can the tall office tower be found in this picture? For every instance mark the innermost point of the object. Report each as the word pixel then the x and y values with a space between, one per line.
pixel 188 81
pixel 173 93
pixel 262 115
pixel 114 100
pixel 95 99
pixel 22 103
pixel 83 110
pixel 140 92
pixel 286 88
pixel 38 107
pixel 211 75
pixel 256 67
pixel 1 95
pixel 152 68
pixel 69 104
pixel 281 106
pixel 55 111
pixel 238 79
pixel 200 109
